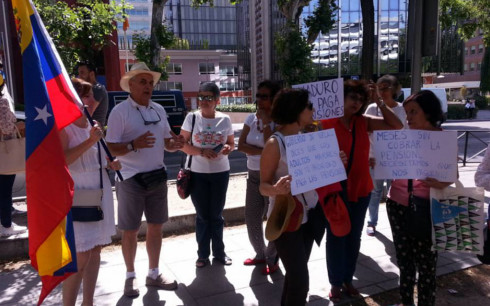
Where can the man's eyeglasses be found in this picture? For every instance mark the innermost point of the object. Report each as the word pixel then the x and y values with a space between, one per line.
pixel 262 96
pixel 147 122
pixel 205 98
pixel 309 105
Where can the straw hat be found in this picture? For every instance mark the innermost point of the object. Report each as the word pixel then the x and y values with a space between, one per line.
pixel 279 219
pixel 138 68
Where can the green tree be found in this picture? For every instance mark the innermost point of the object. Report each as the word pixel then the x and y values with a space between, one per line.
pixel 80 31
pixel 470 15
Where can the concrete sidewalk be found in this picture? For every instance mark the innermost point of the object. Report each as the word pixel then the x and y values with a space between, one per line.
pixel 232 285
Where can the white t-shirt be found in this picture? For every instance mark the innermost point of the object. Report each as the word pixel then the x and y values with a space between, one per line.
pixel 255 138
pixel 207 134
pixel 127 122
pixel 374 110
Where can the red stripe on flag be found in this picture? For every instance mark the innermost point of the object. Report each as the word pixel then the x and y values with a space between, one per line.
pixel 63 102
pixel 49 189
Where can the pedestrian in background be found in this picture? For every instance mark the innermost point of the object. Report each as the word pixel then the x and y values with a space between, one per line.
pixel 8 130
pixel 293 111
pixel 85 162
pixel 387 88
pixel 413 253
pixel 257 129
pixel 352 134
pixel 88 73
pixel 212 141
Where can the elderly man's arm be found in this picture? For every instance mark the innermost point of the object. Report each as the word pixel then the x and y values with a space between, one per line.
pixel 146 140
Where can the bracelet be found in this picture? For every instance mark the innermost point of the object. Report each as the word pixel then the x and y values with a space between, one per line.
pixel 202 151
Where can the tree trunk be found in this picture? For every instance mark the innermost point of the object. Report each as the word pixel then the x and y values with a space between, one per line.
pixel 367 59
pixel 156 23
pixel 485 72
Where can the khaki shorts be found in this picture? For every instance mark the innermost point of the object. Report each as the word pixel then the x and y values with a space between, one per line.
pixel 133 200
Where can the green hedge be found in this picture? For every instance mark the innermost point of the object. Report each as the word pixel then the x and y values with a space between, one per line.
pixel 237 108
pixel 481 102
pixel 457 111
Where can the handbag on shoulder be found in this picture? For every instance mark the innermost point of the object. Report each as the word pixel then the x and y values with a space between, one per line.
pixel 12 154
pixel 184 175
pixel 419 222
pixel 87 203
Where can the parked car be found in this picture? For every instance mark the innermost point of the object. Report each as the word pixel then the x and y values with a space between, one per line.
pixel 172 101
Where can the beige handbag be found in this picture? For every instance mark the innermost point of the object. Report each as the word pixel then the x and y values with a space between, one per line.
pixel 12 154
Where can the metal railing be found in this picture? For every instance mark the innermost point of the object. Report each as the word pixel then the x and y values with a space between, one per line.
pixel 466 134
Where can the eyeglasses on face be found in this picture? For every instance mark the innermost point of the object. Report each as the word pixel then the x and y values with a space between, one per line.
pixel 262 96
pixel 148 122
pixel 384 88
pixel 355 98
pixel 309 105
pixel 205 98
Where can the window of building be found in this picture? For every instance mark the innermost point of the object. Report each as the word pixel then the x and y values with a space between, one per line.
pixel 138 12
pixel 480 48
pixel 473 49
pixel 229 86
pixel 472 67
pixel 174 68
pixel 171 86
pixel 228 70
pixel 479 66
pixel 206 68
pixel 465 50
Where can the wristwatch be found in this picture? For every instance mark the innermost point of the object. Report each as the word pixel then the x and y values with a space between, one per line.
pixel 130 146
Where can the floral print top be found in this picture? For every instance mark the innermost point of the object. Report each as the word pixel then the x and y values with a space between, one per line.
pixel 7 119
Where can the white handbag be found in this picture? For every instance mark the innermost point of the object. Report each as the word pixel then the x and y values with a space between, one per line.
pixel 12 154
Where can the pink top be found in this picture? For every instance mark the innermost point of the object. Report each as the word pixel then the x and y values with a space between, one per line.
pixel 399 191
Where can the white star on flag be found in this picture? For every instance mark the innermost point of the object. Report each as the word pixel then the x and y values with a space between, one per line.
pixel 42 114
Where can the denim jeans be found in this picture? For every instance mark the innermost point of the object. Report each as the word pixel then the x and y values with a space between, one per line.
pixel 6 184
pixel 208 194
pixel 376 195
pixel 342 252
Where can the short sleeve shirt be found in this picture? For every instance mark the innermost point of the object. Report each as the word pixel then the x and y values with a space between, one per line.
pixel 207 134
pixel 7 118
pixel 255 137
pixel 127 122
pixel 100 95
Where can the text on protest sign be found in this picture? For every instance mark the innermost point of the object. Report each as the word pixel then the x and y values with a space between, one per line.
pixel 416 154
pixel 313 160
pixel 327 98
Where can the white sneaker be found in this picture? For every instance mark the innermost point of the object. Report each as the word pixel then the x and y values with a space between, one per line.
pixel 14 229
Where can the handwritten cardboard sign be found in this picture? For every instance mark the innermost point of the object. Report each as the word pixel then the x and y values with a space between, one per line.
pixel 416 154
pixel 327 98
pixel 313 160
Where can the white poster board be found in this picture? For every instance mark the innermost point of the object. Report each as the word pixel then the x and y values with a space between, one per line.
pixel 327 98
pixel 416 154
pixel 313 160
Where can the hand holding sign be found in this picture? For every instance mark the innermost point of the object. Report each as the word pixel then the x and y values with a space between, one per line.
pixel 314 160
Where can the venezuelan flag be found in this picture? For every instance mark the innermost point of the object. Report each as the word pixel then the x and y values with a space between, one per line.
pixel 50 104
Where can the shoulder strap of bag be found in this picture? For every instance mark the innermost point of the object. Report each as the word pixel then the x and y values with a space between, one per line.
pixel 100 165
pixel 190 156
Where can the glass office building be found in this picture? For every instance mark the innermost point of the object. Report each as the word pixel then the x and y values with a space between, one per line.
pixel 344 42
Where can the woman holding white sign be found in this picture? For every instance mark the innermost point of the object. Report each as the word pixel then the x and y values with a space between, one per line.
pixel 352 134
pixel 292 110
pixel 413 245
pixel 257 129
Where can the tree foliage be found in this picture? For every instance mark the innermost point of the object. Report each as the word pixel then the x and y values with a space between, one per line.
pixel 80 31
pixel 469 15
pixel 144 51
pixel 293 58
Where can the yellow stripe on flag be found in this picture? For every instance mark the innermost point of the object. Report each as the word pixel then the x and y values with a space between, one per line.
pixel 22 12
pixel 54 253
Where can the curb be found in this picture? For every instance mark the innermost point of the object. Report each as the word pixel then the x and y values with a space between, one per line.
pixel 17 247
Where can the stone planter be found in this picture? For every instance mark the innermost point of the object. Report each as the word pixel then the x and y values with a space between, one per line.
pixel 237 117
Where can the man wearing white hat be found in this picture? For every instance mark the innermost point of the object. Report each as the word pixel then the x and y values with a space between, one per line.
pixel 138 133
